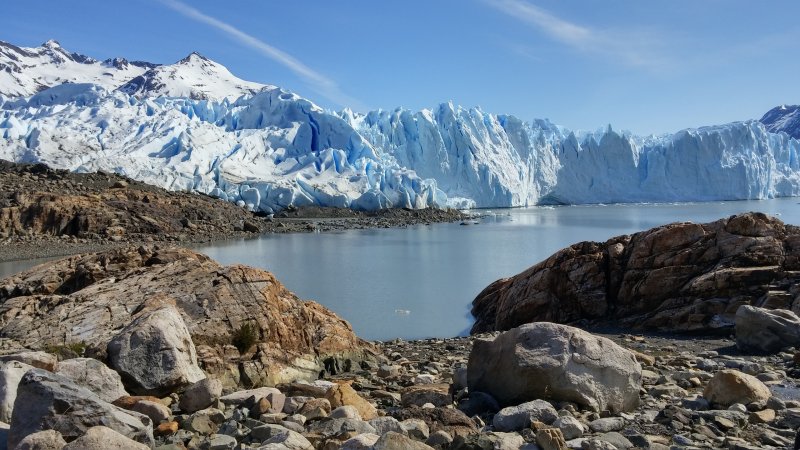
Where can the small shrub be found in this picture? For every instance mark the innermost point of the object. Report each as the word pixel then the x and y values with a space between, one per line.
pixel 67 351
pixel 245 337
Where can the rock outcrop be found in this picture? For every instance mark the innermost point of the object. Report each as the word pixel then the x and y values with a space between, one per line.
pixel 762 330
pixel 89 298
pixel 555 362
pixel 677 277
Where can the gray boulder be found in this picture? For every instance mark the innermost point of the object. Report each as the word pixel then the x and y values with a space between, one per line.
pixel 11 373
pixel 42 440
pixel 104 438
pixel 154 353
pixel 550 361
pixel 200 395
pixel 766 330
pixel 94 375
pixel 515 418
pixel 46 401
pixel 397 441
pixel 288 440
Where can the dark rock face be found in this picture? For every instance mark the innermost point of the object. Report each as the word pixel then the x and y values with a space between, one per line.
pixel 785 118
pixel 677 277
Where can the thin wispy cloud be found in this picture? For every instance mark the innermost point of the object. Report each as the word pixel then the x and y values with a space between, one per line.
pixel 318 82
pixel 633 48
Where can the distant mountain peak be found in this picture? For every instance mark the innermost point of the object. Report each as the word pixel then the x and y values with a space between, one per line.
pixel 25 71
pixel 194 76
pixel 194 56
pixel 784 118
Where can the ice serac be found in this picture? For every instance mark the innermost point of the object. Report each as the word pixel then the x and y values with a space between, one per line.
pixel 784 118
pixel 193 125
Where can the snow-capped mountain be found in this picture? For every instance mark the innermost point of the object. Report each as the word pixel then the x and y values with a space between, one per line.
pixel 186 126
pixel 195 77
pixel 26 71
pixel 783 119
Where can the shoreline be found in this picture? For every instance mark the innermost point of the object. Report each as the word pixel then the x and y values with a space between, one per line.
pixel 46 213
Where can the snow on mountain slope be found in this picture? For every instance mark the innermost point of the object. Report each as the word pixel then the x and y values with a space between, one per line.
pixel 195 77
pixel 26 71
pixel 783 119
pixel 193 125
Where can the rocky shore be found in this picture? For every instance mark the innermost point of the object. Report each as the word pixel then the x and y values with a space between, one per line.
pixel 46 212
pixel 161 347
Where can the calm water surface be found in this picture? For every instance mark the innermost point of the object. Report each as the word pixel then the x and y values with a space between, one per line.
pixel 419 281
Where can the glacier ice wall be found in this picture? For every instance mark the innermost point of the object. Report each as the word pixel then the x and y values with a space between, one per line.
pixel 274 149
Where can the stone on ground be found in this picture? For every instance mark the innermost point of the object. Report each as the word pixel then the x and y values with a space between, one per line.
pixel 104 438
pixel 567 363
pixel 344 394
pixel 515 418
pixel 154 353
pixel 49 401
pixel 728 387
pixel 200 395
pixel 761 330
pixel 95 376
pixel 42 440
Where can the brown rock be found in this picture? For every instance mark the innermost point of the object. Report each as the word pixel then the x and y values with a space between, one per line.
pixel 435 394
pixel 343 394
pixel 677 277
pixel 451 420
pixel 63 300
pixel 166 429
pixel 731 386
pixel 551 439
pixel 129 401
pixel 763 416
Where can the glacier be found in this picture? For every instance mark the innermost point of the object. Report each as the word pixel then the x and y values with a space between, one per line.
pixel 274 149
pixel 194 126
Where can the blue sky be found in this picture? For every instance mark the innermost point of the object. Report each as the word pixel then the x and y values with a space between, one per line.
pixel 648 67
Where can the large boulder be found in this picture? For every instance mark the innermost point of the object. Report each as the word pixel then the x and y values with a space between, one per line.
pixel 155 354
pixel 676 277
pixel 766 331
pixel 46 401
pixel 11 373
pixel 343 394
pixel 730 386
pixel 556 362
pixel 279 338
pixel 94 375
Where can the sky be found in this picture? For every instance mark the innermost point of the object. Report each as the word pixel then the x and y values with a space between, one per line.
pixel 647 67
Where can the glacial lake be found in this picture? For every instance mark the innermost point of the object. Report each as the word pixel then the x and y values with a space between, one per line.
pixel 419 281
